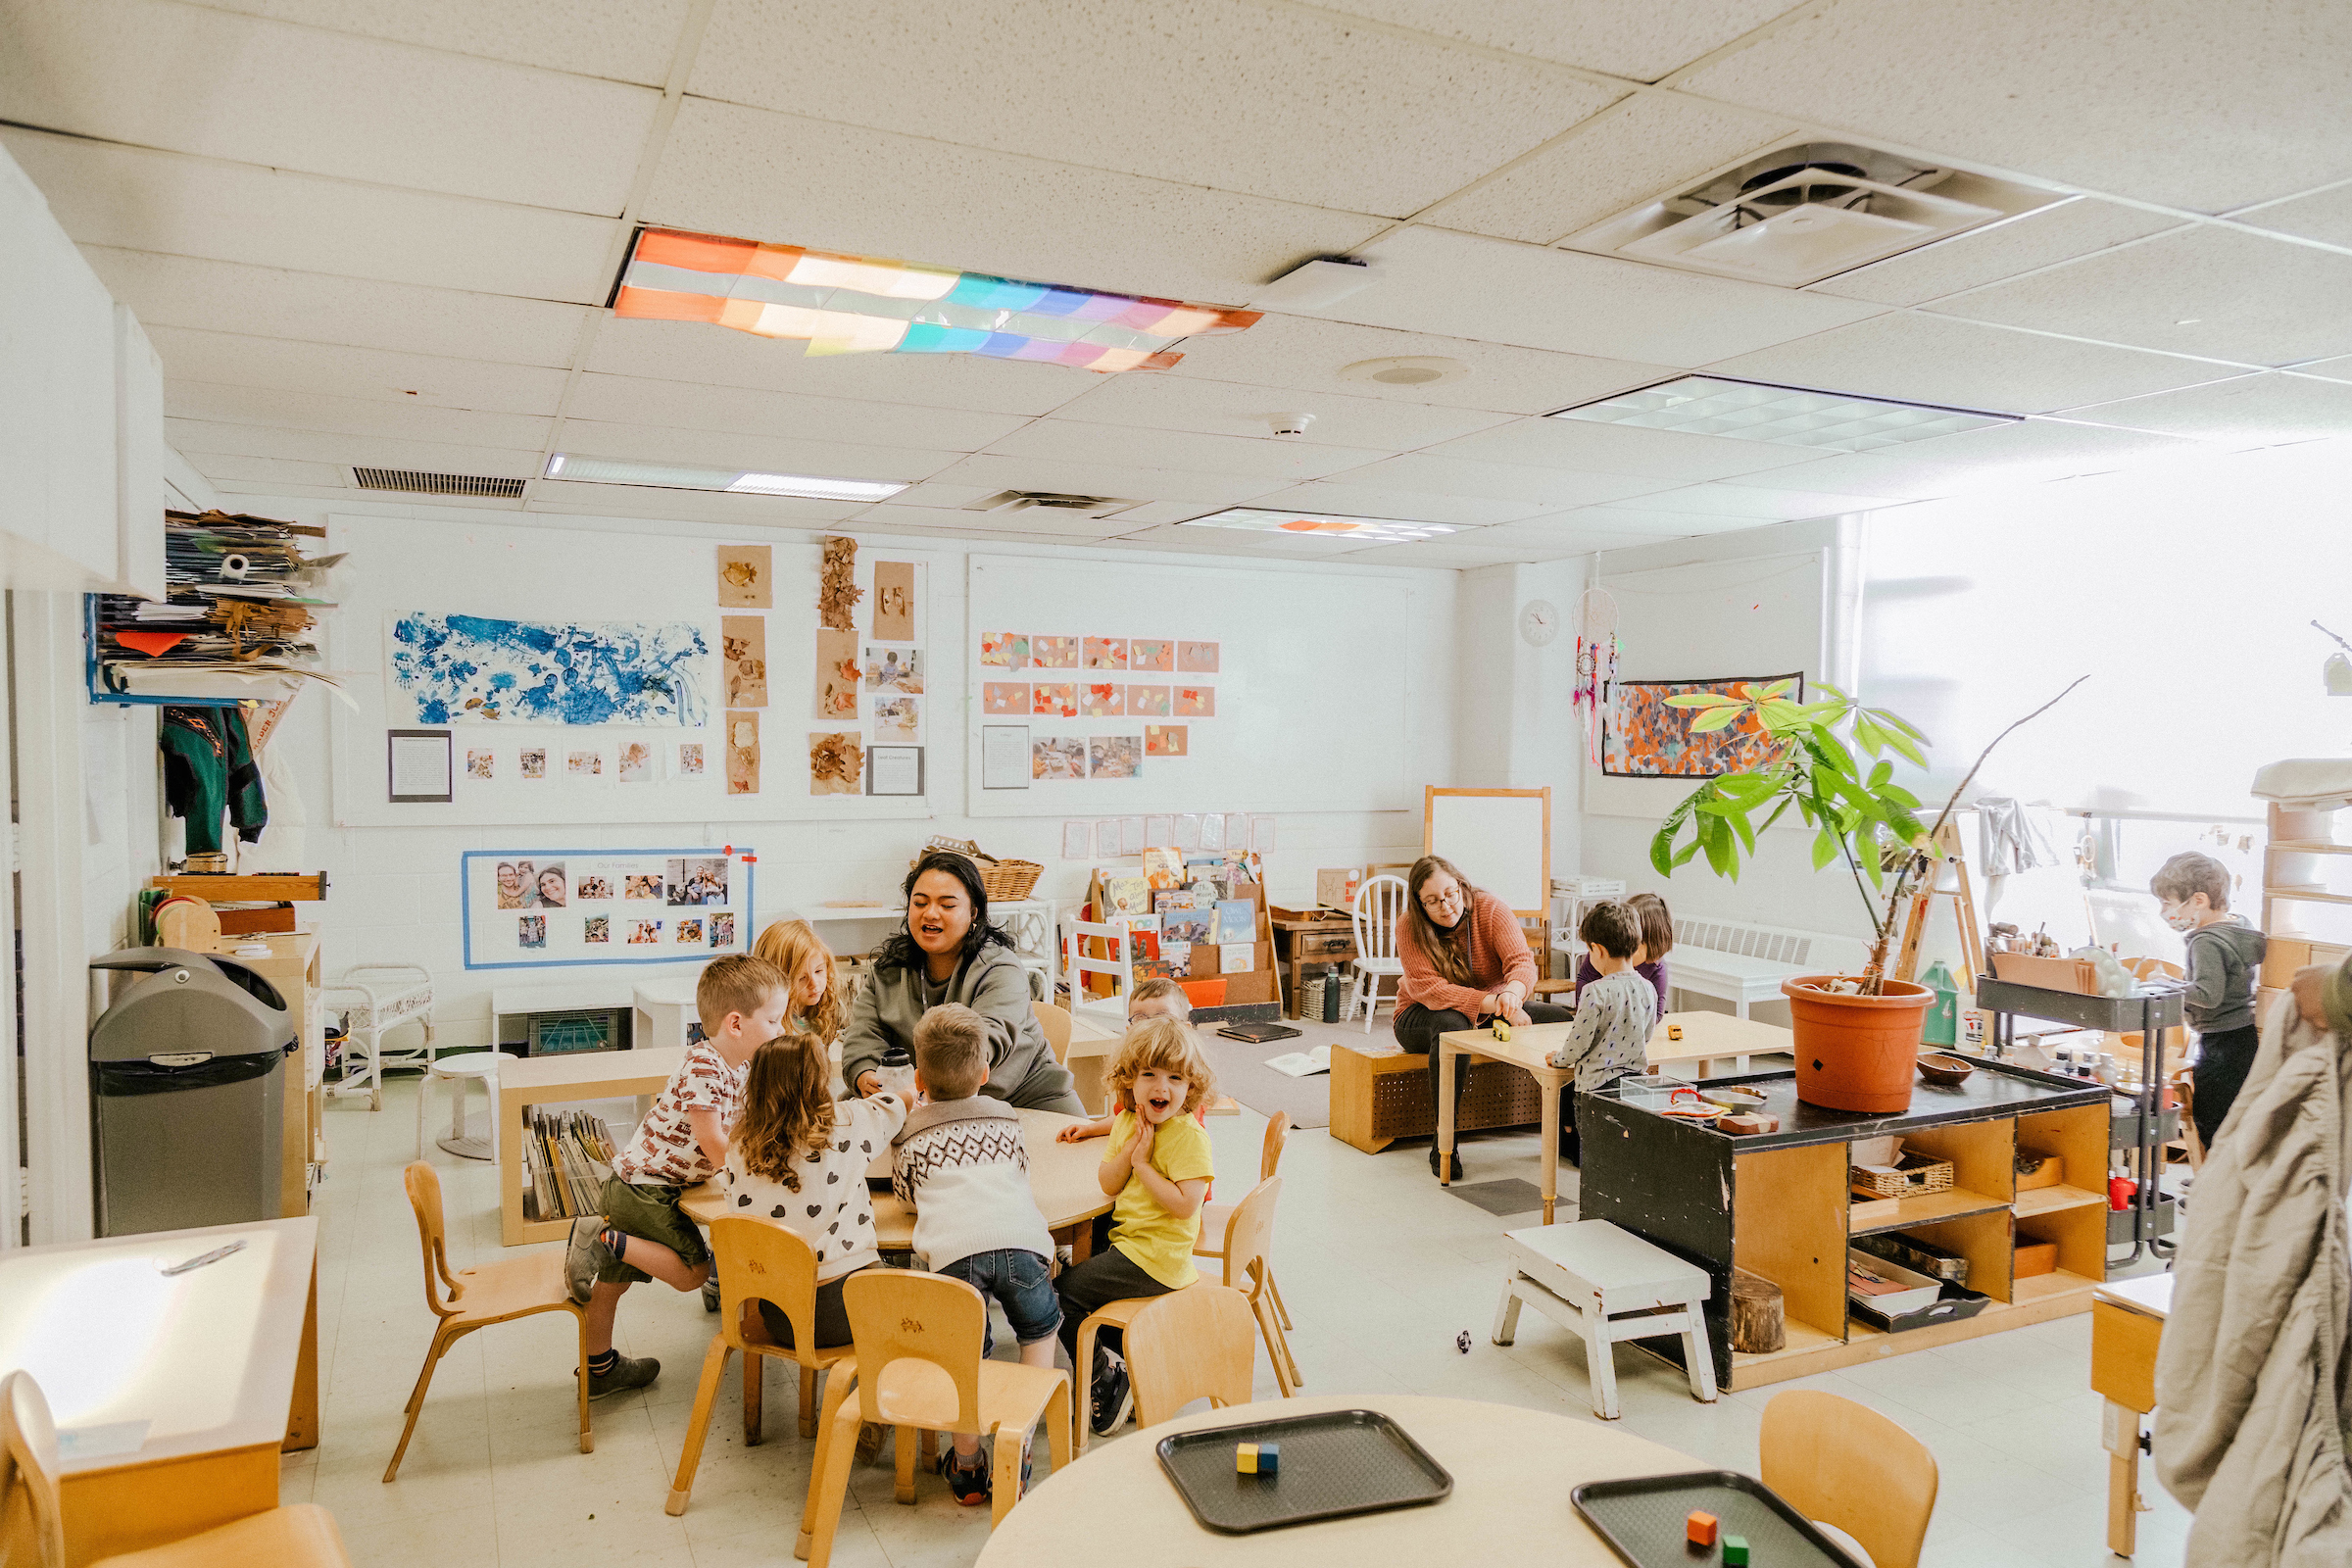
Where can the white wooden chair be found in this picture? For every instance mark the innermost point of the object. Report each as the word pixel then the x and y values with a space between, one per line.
pixel 374 998
pixel 1378 908
pixel 1120 966
pixel 1607 1285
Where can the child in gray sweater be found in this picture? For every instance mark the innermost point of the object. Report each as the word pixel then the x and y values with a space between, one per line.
pixel 1615 1013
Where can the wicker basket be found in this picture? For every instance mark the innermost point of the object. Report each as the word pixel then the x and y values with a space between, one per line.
pixel 1914 1176
pixel 1004 881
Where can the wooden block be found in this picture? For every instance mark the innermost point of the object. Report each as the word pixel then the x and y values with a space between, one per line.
pixel 1700 1529
pixel 2036 1258
pixel 1734 1552
pixel 287 888
pixel 1741 1124
pixel 1760 1321
pixel 1244 1459
pixel 1269 1458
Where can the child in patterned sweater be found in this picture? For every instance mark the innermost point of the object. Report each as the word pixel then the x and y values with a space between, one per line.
pixel 1614 1014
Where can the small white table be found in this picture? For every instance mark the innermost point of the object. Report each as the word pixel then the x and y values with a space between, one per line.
pixel 1604 1283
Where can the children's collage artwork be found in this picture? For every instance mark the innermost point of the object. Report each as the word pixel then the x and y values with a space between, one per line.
pixel 530 907
pixel 1098 708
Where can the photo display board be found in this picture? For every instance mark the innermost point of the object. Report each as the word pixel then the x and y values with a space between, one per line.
pixel 546 909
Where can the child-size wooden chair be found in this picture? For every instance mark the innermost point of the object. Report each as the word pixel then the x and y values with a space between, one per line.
pixel 918 1339
pixel 1195 1343
pixel 1844 1464
pixel 303 1536
pixel 492 1292
pixel 1055 1022
pixel 1379 911
pixel 757 1262
pixel 1214 1217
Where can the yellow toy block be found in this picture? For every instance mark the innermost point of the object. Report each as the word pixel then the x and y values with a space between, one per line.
pixel 1245 1459
pixel 1502 1030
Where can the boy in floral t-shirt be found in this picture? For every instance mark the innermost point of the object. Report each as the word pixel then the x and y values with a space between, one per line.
pixel 641 1234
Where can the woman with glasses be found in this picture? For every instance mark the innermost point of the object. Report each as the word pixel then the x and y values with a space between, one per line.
pixel 1466 964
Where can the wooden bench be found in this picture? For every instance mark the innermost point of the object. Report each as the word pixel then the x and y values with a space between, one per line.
pixel 1742 963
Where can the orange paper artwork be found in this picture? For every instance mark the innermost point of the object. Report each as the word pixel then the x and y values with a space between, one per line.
pixel 1196 701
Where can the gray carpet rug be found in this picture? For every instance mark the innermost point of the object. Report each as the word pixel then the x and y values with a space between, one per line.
pixel 1241 1071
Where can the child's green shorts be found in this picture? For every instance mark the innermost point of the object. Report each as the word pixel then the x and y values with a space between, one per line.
pixel 652 1212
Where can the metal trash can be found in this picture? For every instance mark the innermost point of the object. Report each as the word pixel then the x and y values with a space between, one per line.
pixel 188 1093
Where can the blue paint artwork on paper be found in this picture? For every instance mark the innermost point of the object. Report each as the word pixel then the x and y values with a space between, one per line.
pixel 470 669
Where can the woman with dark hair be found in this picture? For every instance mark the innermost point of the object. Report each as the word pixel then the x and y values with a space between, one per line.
pixel 948 952
pixel 1466 964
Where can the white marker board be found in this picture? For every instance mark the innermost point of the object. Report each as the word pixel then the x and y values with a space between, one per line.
pixel 1499 839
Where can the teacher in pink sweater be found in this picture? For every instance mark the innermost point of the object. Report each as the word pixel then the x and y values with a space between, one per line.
pixel 1466 964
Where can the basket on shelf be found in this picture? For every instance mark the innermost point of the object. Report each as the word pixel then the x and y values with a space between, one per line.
pixel 1004 881
pixel 1914 1175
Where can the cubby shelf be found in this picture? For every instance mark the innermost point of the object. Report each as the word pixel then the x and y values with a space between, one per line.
pixel 1930 1209
pixel 1799 1338
pixel 2050 1200
pixel 2043 1286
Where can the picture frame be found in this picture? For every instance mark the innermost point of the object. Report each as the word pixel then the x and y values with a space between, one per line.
pixel 419 766
pixel 894 771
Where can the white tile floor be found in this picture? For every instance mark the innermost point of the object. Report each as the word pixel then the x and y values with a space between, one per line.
pixel 1380 1270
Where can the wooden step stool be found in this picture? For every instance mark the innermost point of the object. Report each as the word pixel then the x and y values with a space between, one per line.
pixel 1607 1284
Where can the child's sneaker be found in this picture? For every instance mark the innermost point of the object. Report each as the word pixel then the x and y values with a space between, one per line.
pixel 628 1372
pixel 1109 1394
pixel 710 1293
pixel 969 1482
pixel 585 1257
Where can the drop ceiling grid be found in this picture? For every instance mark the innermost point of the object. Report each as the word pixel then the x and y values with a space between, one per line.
pixel 627 40
pixel 196 438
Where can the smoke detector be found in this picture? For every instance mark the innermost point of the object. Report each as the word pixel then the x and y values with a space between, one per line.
pixel 1053 501
pixel 1807 210
pixel 1406 370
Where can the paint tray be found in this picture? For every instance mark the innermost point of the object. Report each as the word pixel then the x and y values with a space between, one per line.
pixel 1644 1517
pixel 1334 1464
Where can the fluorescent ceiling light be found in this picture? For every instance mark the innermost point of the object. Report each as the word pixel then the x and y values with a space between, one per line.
pixel 859 305
pixel 674 476
pixel 1322 525
pixel 1784 415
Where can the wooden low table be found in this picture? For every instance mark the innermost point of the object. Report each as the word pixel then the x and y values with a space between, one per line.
pixel 1061 1177
pixel 2127 1323
pixel 174 1395
pixel 1512 1470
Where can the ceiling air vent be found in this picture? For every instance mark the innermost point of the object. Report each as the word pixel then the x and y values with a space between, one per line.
pixel 1054 501
pixel 411 482
pixel 1807 210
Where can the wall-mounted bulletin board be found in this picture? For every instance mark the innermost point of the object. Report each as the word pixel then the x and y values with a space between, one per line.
pixel 1099 688
pixel 620 677
pixel 552 908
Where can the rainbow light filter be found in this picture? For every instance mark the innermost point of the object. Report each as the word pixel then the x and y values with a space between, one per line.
pixel 857 305
pixel 1323 526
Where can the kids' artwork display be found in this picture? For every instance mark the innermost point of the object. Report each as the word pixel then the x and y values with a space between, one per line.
pixel 743 640
pixel 743 753
pixel 1004 650
pixel 1642 737
pixel 894 669
pixel 531 909
pixel 746 577
pixel 1095 694
pixel 836 765
pixel 893 602
pixel 1004 697
pixel 473 669
pixel 1059 757
pixel 838 676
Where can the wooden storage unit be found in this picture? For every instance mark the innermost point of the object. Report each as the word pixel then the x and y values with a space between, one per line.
pixel 524 1082
pixel 1305 938
pixel 1777 1205
pixel 1381 1093
pixel 293 967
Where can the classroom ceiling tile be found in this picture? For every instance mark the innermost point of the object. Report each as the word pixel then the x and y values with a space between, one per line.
pixel 685 505
pixel 1569 532
pixel 1340 498
pixel 2324 214
pixel 1031 522
pixel 766 454
pixel 2204 289
pixel 221 468
pixel 2336 369
pixel 2269 409
pixel 163 201
pixel 2073 89
pixel 625 399
pixel 1631 153
pixel 935 495
pixel 1060 439
pixel 1956 363
pixel 628 40
pixel 1276 102
pixel 1440 552
pixel 2019 452
pixel 784 180
pixel 190 79
pixel 1307 354
pixel 1464 285
pixel 1632 519
pixel 1230 542
pixel 198 440
pixel 1106 476
pixel 1550 488
pixel 1240 408
pixel 342 415
pixel 2040 237
pixel 1633 38
pixel 1751 506
pixel 701 354
pixel 274 302
pixel 1671 457
pixel 231 359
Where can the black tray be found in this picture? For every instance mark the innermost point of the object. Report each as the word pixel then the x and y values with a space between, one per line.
pixel 1335 1464
pixel 1952 1303
pixel 1642 1518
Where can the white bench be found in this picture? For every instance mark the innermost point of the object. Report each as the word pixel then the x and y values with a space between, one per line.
pixel 1607 1285
pixel 1744 963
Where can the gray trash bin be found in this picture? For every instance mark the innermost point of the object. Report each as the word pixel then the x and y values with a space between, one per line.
pixel 188 1093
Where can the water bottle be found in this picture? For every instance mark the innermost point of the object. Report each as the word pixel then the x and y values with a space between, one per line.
pixel 1335 991
pixel 895 1070
pixel 1942 1026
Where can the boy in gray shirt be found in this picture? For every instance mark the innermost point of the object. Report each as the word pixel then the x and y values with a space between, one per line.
pixel 1614 1013
pixel 2225 959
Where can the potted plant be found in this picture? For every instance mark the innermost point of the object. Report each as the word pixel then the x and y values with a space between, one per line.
pixel 1857 1036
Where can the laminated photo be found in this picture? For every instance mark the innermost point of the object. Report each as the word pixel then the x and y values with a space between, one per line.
pixel 894 669
pixel 723 930
pixel 698 881
pixel 480 764
pixel 690 933
pixel 1057 757
pixel 514 884
pixel 638 885
pixel 531 930
pixel 592 889
pixel 547 889
pixel 534 763
pixel 597 930
pixel 644 933
pixel 1114 757
pixel 898 718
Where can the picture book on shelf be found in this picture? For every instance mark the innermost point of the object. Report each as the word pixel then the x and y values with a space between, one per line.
pixel 1235 958
pixel 1164 868
pixel 1165 899
pixel 1125 897
pixel 1188 925
pixel 1237 919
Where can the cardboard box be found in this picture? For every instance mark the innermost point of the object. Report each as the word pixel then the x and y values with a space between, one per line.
pixel 1336 889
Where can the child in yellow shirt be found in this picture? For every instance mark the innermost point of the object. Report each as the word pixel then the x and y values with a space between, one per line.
pixel 1157 1166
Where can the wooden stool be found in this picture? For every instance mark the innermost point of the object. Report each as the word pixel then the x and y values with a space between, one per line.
pixel 1606 1284
pixel 474 1066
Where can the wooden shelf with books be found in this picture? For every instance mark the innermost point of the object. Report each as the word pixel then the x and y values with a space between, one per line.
pixel 529 1082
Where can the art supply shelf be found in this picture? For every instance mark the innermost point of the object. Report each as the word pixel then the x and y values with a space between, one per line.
pixel 1778 1206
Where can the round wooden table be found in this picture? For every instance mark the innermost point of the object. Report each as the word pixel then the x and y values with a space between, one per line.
pixel 1060 1175
pixel 1512 1470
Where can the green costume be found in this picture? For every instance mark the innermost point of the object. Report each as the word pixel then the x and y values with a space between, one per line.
pixel 208 767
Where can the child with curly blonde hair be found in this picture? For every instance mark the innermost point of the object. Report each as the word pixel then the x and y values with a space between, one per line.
pixel 1157 1166
pixel 800 956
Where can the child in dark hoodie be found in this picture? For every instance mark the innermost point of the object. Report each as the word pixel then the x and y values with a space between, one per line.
pixel 2225 957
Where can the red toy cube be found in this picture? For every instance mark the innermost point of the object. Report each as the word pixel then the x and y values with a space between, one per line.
pixel 1702 1528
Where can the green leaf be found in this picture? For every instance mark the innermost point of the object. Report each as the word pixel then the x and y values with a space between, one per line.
pixel 1747 788
pixel 1869 736
pixel 1684 858
pixel 1898 722
pixel 1825 848
pixel 1899 796
pixel 1780 688
pixel 1880 774
pixel 1747 835
pixel 1714 718
pixel 1835 694
pixel 1777 715
pixel 1909 747
pixel 1826 749
pixel 1777 813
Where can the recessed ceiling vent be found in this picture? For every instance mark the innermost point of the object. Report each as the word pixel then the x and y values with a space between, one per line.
pixel 1025 500
pixel 411 482
pixel 1805 212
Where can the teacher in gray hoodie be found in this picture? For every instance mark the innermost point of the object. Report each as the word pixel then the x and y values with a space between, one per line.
pixel 948 952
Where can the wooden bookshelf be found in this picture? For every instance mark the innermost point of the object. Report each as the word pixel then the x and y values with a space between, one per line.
pixel 527 1081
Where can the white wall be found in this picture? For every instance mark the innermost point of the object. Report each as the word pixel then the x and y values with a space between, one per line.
pixel 1517 725
pixel 394 890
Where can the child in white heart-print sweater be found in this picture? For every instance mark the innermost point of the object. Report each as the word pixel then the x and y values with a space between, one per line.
pixel 799 1158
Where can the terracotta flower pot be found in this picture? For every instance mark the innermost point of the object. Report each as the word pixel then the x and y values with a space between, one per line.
pixel 1856 1052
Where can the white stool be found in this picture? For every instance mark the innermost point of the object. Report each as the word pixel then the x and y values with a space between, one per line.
pixel 372 999
pixel 474 1066
pixel 1586 1277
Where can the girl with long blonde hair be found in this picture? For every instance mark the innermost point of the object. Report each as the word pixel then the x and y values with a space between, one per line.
pixel 800 956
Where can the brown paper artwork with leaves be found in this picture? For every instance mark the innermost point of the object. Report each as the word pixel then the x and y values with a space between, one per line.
pixel 837 590
pixel 836 765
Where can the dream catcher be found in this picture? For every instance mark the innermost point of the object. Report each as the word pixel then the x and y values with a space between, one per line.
pixel 1596 660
